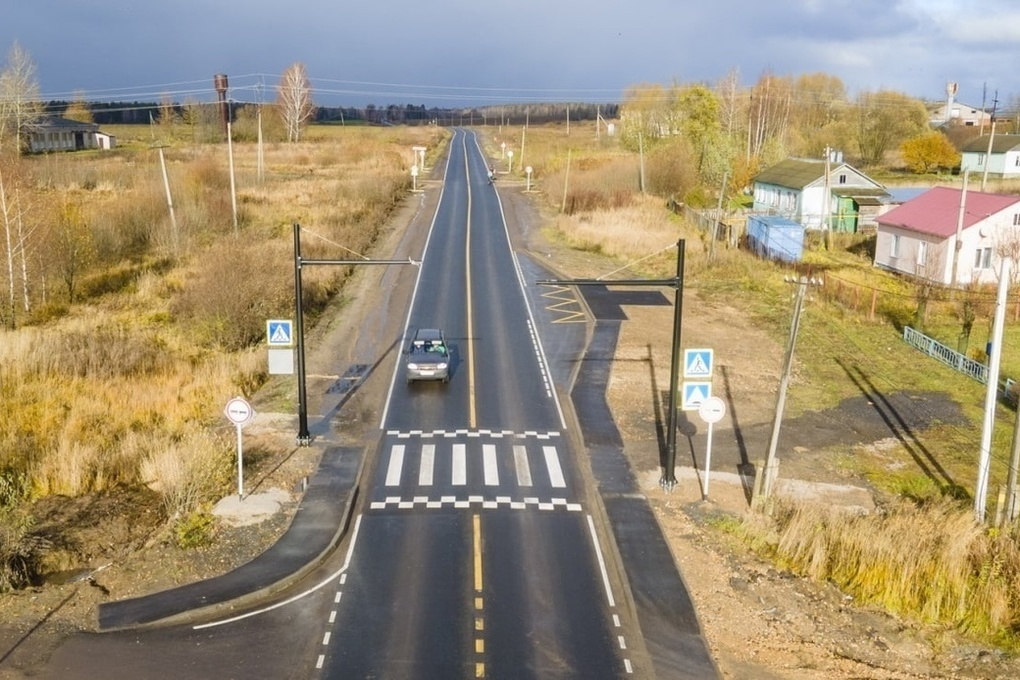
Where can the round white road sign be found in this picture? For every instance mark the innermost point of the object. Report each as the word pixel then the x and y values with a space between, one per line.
pixel 712 409
pixel 239 411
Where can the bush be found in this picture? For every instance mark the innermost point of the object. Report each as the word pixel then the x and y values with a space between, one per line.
pixel 234 288
pixel 195 530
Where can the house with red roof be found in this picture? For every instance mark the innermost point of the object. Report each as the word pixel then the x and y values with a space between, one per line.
pixel 920 237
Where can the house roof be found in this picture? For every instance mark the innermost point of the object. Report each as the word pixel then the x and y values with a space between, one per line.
pixel 863 195
pixel 937 211
pixel 795 173
pixel 56 123
pixel 798 173
pixel 1001 144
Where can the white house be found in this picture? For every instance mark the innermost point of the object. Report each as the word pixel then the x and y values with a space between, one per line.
pixel 1003 161
pixel 797 189
pixel 957 113
pixel 919 237
pixel 53 133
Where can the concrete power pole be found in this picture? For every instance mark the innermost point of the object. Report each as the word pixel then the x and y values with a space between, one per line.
pixel 765 475
pixel 991 393
pixel 959 232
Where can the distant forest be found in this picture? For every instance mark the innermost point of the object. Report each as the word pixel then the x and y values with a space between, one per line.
pixel 127 113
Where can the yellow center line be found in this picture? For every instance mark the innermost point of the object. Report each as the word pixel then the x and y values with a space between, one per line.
pixel 472 418
pixel 477 522
pixel 476 526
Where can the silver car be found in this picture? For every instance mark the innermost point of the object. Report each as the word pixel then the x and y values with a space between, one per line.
pixel 428 357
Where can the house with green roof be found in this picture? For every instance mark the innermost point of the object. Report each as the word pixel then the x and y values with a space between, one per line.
pixel 1002 161
pixel 797 188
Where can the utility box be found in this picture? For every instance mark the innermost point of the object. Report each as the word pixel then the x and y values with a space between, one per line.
pixel 775 238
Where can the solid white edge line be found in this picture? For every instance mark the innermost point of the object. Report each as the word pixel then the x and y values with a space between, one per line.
pixel 602 562
pixel 326 581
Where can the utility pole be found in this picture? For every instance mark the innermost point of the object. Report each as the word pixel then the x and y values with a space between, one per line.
pixel 718 216
pixel 991 393
pixel 765 475
pixel 991 139
pixel 827 199
pixel 1014 464
pixel 959 232
pixel 641 159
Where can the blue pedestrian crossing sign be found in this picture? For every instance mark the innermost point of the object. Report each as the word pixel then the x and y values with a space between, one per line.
pixel 695 393
pixel 698 364
pixel 279 333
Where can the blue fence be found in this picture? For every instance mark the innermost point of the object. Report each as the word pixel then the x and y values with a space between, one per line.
pixel 946 355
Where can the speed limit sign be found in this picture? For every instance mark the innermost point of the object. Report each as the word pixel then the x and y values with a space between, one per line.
pixel 239 411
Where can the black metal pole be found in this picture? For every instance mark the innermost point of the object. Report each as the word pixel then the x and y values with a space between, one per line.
pixel 668 480
pixel 303 437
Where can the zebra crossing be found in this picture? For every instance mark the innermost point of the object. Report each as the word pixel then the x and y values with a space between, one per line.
pixel 525 472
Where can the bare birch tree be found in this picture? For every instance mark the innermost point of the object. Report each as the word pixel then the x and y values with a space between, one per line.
pixel 17 235
pixel 294 100
pixel 20 103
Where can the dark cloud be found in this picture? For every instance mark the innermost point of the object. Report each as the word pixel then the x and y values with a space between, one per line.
pixel 464 51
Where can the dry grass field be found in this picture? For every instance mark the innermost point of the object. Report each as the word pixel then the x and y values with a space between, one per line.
pixel 118 383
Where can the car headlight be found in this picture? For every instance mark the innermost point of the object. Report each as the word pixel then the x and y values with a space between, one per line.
pixel 413 367
pixel 441 366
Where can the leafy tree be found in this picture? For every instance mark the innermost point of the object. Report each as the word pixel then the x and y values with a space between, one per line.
pixel 818 117
pixel 294 100
pixel 79 109
pixel 168 119
pixel 645 113
pixel 20 104
pixel 929 151
pixel 884 120
pixel 73 249
pixel 769 117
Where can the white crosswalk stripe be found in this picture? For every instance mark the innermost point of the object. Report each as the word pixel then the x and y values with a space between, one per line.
pixel 396 464
pixel 501 465
pixel 521 466
pixel 552 461
pixel 459 464
pixel 489 462
pixel 428 465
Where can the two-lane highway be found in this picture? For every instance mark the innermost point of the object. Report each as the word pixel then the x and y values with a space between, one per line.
pixel 476 554
pixel 474 550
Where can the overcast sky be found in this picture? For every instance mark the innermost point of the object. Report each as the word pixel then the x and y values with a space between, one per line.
pixel 453 52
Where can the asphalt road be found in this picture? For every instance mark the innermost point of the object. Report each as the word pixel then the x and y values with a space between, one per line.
pixel 478 546
pixel 477 554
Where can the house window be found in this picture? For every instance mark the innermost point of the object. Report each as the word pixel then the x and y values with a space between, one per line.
pixel 842 179
pixel 1016 219
pixel 980 159
pixel 894 247
pixel 922 254
pixel 983 258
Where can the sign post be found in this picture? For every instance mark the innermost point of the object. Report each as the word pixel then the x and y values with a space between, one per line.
pixel 240 413
pixel 711 411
